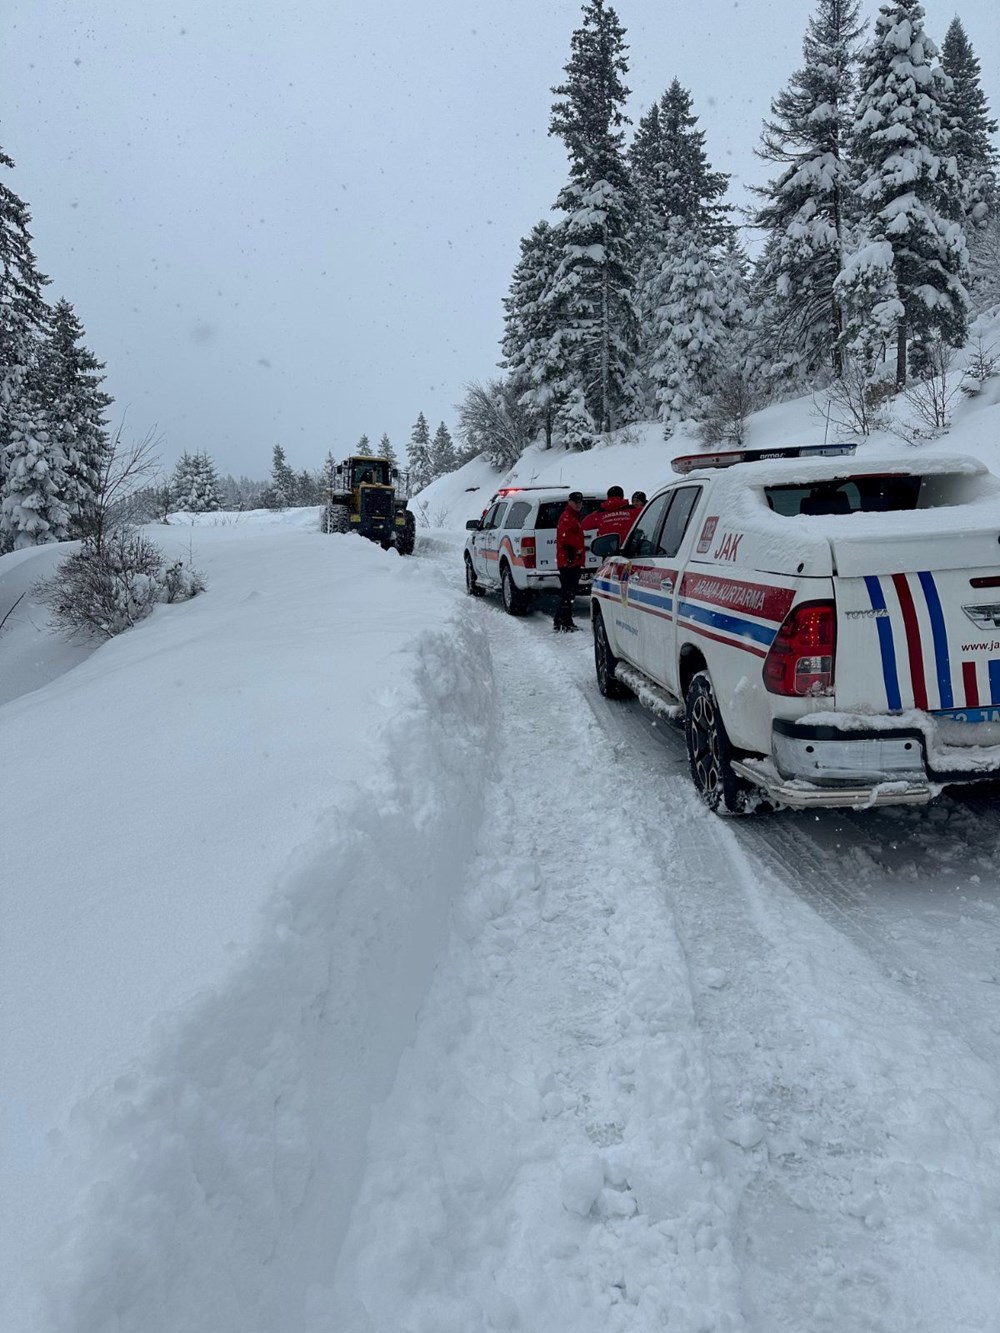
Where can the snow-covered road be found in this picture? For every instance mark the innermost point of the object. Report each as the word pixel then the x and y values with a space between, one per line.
pixel 424 996
pixel 678 1072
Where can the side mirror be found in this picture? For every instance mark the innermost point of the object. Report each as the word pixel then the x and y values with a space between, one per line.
pixel 473 524
pixel 394 474
pixel 609 544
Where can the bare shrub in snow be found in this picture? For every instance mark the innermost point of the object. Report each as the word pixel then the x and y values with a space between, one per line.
pixel 431 518
pixel 856 403
pixel 983 365
pixel 492 420
pixel 125 470
pixel 105 590
pixel 728 407
pixel 932 394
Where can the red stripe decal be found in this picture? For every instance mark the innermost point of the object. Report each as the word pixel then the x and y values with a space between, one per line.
pixel 913 648
pixel 756 599
pixel 719 638
pixel 971 684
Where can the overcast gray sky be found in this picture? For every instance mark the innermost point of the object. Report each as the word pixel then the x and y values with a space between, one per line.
pixel 295 224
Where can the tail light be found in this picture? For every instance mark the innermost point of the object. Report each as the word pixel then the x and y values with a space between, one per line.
pixel 801 658
pixel 528 552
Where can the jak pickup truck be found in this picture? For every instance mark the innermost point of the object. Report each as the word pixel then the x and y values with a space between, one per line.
pixel 828 629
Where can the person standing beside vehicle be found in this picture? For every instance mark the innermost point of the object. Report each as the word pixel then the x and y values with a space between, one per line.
pixel 570 557
pixel 614 515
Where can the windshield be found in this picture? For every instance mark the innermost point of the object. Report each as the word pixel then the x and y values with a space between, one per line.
pixel 370 470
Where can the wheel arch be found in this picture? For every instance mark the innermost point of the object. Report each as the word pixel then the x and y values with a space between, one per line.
pixel 692 660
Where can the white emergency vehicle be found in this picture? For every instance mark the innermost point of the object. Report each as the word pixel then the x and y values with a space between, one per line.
pixel 512 548
pixel 827 627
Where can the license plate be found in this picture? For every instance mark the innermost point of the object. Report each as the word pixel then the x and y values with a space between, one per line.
pixel 970 714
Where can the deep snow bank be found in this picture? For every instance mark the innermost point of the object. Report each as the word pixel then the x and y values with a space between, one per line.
pixel 264 799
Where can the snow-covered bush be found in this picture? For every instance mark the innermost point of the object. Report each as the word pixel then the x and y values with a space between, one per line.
pixel 109 590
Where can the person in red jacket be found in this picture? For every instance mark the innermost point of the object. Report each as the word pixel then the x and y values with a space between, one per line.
pixel 570 557
pixel 614 515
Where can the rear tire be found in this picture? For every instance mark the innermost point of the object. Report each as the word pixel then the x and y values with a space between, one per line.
pixel 514 601
pixel 710 753
pixel 471 586
pixel 606 663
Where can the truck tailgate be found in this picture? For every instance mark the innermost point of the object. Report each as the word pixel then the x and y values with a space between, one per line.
pixel 926 636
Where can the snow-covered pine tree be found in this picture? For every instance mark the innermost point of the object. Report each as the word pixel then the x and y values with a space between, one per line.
pixel 527 342
pixel 443 456
pixel 363 446
pixel 591 296
pixel 282 491
pixel 691 330
pixel 575 424
pixel 677 193
pixel 671 174
pixel 972 127
pixel 908 190
pixel 32 511
pixel 207 484
pixel 804 208
pixel 328 476
pixel 972 130
pixel 419 454
pixel 307 487
pixel 70 384
pixel 23 312
pixel 182 488
pixel 386 451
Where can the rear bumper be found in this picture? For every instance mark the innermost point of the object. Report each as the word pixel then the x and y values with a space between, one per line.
pixel 850 760
pixel 550 582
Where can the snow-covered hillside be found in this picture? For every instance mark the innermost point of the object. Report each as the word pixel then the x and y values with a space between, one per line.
pixel 363 970
pixel 639 458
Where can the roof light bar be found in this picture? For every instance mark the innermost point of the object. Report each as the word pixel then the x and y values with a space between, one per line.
pixel 695 462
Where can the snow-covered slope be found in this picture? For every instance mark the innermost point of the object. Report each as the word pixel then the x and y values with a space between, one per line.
pixel 639 457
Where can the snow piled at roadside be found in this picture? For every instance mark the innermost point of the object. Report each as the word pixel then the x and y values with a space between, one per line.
pixel 217 963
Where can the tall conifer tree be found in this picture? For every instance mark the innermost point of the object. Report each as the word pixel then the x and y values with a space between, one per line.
pixel 419 454
pixel 70 379
pixel 23 312
pixel 913 248
pixel 972 127
pixel 592 293
pixel 804 212
pixel 531 354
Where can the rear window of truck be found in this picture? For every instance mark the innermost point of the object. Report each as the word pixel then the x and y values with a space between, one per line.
pixel 548 513
pixel 854 495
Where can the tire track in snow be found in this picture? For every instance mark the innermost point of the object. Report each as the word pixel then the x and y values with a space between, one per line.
pixel 548 1158
pixel 869 1166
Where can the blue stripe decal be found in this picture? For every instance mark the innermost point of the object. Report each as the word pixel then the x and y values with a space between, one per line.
pixel 636 593
pixel 941 658
pixel 994 669
pixel 745 629
pixel 889 673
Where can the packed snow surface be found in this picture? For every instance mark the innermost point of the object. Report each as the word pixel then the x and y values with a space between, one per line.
pixel 364 971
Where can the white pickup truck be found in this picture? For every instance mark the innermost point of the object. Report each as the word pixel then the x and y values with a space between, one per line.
pixel 829 628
